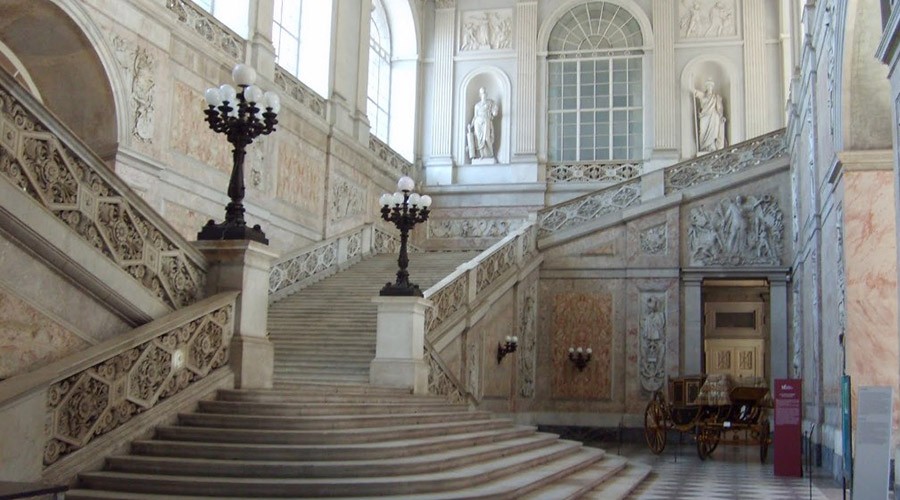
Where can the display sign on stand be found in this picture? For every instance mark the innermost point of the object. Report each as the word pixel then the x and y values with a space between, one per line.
pixel 788 419
pixel 872 459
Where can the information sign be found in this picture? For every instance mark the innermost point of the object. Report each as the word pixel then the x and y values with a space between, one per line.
pixel 788 435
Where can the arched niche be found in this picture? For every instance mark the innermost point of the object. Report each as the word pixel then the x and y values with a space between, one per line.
pixel 58 46
pixel 863 93
pixel 497 87
pixel 728 84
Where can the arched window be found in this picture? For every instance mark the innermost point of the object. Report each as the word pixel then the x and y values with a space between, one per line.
pixel 379 89
pixel 301 33
pixel 595 90
pixel 233 13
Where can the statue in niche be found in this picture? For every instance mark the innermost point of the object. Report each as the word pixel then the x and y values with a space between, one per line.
pixel 480 132
pixel 710 126
pixel 653 342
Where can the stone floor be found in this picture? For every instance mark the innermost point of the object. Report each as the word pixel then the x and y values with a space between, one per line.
pixel 733 472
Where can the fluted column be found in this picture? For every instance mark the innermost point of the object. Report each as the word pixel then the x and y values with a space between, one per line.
pixel 756 102
pixel 665 87
pixel 526 81
pixel 442 114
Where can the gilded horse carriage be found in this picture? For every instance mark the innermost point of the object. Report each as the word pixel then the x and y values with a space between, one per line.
pixel 714 410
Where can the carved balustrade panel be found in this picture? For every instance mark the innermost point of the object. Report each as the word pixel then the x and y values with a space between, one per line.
pixel 588 207
pixel 299 92
pixel 204 24
pixel 491 268
pixel 448 300
pixel 440 383
pixel 392 159
pixel 593 172
pixel 385 242
pixel 79 194
pixel 305 265
pixel 727 161
pixel 108 394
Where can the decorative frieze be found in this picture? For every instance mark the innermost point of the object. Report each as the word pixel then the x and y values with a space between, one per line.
pixel 294 88
pixel 486 30
pixel 108 394
pixel 707 19
pixel 138 64
pixel 654 240
pixel 528 340
pixel 796 330
pixel 593 172
pixel 345 200
pixel 652 351
pixel 106 217
pixel 204 24
pixel 470 228
pixel 739 231
pixel 589 207
pixel 726 161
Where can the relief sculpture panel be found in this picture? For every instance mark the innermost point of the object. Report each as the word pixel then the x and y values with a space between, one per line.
pixel 138 65
pixel 653 340
pixel 486 30
pixel 744 230
pixel 707 18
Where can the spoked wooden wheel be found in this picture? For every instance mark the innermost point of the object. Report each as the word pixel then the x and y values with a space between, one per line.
pixel 707 441
pixel 655 424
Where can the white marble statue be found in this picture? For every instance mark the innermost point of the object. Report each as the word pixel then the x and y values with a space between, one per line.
pixel 710 119
pixel 480 132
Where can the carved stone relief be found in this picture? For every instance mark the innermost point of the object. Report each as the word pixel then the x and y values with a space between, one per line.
pixel 138 64
pixel 654 240
pixel 745 230
pixel 797 331
pixel 346 200
pixel 528 341
pixel 841 274
pixel 795 203
pixel 653 340
pixel 470 228
pixel 486 30
pixel 707 18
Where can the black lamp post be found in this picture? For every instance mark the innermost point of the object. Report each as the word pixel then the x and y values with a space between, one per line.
pixel 405 209
pixel 237 115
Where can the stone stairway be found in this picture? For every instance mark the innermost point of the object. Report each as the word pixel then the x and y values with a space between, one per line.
pixel 323 432
pixel 353 441
pixel 326 332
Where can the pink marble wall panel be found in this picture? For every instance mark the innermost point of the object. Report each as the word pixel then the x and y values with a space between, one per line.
pixel 185 220
pixel 832 362
pixel 29 338
pixel 585 320
pixel 870 246
pixel 191 134
pixel 301 175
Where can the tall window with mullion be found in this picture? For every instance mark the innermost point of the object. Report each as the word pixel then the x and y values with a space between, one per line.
pixel 379 89
pixel 301 33
pixel 233 13
pixel 595 90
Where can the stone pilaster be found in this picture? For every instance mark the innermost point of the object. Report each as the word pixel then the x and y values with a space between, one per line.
pixel 442 85
pixel 244 266
pixel 755 94
pixel 665 91
pixel 779 358
pixel 526 69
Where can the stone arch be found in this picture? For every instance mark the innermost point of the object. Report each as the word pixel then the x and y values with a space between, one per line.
pixel 729 84
pixel 497 87
pixel 862 92
pixel 564 7
pixel 69 44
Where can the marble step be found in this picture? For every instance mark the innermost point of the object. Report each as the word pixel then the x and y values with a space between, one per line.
pixel 281 381
pixel 304 389
pixel 319 436
pixel 293 395
pixel 575 485
pixel 352 451
pixel 566 453
pixel 296 409
pixel 323 422
pixel 308 468
pixel 622 485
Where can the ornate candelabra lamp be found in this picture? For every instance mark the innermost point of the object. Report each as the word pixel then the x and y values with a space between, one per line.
pixel 404 209
pixel 242 117
pixel 503 349
pixel 580 357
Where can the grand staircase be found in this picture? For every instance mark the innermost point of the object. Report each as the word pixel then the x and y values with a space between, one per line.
pixel 324 432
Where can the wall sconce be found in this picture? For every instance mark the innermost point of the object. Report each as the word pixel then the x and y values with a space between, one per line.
pixel 580 357
pixel 502 350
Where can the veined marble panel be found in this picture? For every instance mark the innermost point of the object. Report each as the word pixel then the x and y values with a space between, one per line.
pixel 301 175
pixel 29 338
pixel 192 136
pixel 582 320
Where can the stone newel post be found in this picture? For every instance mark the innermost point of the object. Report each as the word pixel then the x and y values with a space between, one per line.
pixel 244 265
pixel 400 344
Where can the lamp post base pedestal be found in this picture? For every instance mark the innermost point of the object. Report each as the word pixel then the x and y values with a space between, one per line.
pixel 397 290
pixel 230 231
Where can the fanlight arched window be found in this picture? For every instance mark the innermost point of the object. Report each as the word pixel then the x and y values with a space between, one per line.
pixel 595 88
pixel 379 88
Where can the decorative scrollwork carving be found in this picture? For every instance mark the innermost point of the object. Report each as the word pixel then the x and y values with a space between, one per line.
pixel 491 268
pixel 102 215
pixel 588 207
pixel 111 392
pixel 448 300
pixel 208 27
pixel 593 172
pixel 392 159
pixel 726 161
pixel 653 340
pixel 305 265
pixel 653 240
pixel 299 92
pixel 470 228
pixel 528 340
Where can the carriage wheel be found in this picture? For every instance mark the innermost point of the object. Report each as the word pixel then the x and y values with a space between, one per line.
pixel 655 424
pixel 763 441
pixel 707 441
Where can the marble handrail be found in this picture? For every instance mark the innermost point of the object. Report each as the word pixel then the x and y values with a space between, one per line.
pixel 93 392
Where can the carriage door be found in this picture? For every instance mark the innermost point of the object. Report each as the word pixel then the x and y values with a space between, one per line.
pixel 736 327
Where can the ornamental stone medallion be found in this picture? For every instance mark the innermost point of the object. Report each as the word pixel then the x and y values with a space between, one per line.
pixel 486 30
pixel 653 340
pixel 653 240
pixel 739 231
